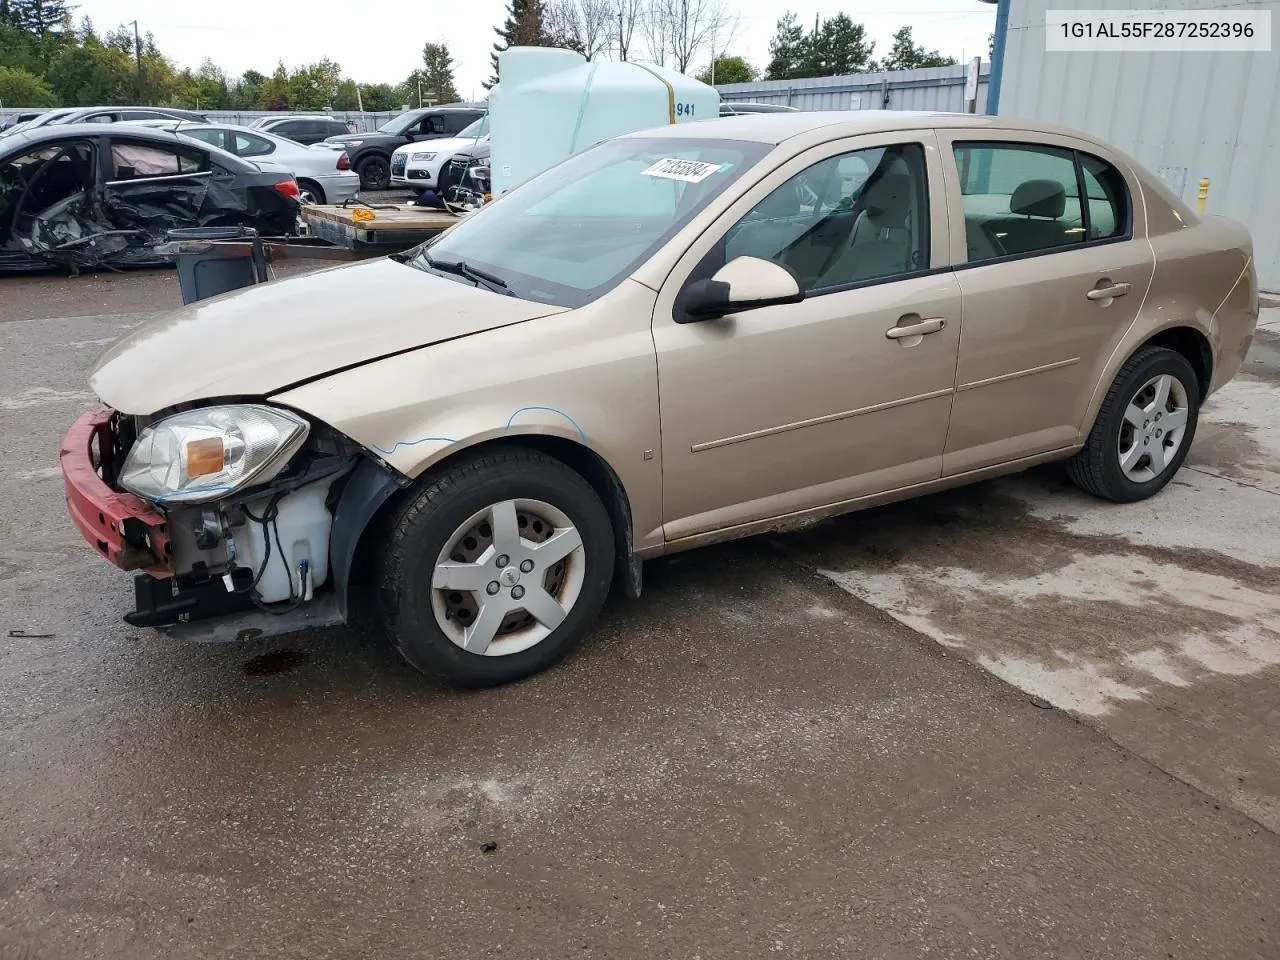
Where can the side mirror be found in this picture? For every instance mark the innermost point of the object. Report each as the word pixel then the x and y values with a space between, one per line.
pixel 744 283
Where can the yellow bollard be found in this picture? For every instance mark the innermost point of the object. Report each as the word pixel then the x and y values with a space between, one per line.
pixel 1204 194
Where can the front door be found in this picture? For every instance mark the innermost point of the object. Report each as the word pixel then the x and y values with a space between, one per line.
pixel 1052 274
pixel 786 408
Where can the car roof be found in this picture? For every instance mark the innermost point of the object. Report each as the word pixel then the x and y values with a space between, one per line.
pixel 301 116
pixel 29 139
pixel 774 128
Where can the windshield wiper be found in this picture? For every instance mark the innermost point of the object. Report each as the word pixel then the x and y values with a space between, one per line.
pixel 474 274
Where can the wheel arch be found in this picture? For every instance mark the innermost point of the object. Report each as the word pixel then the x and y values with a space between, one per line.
pixel 380 508
pixel 1182 337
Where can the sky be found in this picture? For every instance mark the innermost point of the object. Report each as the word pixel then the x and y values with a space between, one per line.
pixel 381 42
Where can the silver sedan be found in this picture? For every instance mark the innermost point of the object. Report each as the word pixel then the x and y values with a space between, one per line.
pixel 324 174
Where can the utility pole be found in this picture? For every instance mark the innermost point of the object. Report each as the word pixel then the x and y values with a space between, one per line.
pixel 137 53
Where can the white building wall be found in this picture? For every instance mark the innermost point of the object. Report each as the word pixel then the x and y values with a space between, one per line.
pixel 1214 115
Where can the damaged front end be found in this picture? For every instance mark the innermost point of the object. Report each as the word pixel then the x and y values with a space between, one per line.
pixel 229 512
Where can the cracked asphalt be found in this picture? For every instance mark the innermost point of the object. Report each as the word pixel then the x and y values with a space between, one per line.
pixel 1064 745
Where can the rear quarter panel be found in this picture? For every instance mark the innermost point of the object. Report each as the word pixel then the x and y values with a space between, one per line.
pixel 1203 279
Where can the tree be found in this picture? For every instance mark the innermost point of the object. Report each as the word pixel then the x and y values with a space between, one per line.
pixel 275 93
pixel 23 88
pixel 40 17
pixel 788 50
pixel 314 86
pixel 581 25
pixel 347 97
pixel 380 97
pixel 728 70
pixel 522 28
pixel 906 54
pixel 246 93
pixel 438 72
pixel 838 47
pixel 625 16
pixel 685 28
pixel 91 74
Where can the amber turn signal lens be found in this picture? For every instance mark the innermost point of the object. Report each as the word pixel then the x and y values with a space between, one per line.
pixel 205 457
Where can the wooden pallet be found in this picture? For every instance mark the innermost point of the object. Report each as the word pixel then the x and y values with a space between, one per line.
pixel 389 231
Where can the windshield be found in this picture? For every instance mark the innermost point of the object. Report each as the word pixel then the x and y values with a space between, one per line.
pixel 398 125
pixel 573 232
pixel 479 128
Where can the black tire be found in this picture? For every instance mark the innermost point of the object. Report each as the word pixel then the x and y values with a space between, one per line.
pixel 433 514
pixel 375 173
pixel 1096 468
pixel 314 189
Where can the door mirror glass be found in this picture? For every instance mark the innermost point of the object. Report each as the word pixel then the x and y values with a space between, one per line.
pixel 745 283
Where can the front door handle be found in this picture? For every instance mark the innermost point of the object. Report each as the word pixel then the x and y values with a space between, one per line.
pixel 916 329
pixel 1109 291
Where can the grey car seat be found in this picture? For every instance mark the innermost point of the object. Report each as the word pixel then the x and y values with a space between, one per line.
pixel 882 242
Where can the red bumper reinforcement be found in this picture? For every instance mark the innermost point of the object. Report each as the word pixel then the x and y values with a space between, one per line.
pixel 126 530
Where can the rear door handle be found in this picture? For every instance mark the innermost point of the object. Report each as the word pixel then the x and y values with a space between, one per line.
pixel 1108 292
pixel 916 329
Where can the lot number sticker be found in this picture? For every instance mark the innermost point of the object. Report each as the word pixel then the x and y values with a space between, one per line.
pixel 690 171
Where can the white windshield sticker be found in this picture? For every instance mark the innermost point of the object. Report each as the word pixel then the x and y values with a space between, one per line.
pixel 690 171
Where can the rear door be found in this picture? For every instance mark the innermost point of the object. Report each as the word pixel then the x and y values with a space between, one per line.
pixel 153 185
pixel 1053 265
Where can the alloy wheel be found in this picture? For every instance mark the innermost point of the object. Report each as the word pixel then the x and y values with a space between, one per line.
pixel 1154 427
pixel 507 577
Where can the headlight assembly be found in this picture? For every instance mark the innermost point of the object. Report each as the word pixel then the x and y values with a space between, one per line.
pixel 480 162
pixel 204 454
pixel 423 157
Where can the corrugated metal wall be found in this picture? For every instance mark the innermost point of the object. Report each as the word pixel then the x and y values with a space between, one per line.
pixel 932 88
pixel 1182 115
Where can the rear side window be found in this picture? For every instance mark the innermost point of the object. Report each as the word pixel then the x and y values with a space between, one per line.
pixel 1106 198
pixel 1022 199
pixel 251 145
pixel 134 160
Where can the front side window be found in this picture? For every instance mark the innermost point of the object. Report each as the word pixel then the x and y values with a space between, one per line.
pixel 573 232
pixel 849 219
pixel 1018 199
pixel 433 125
pixel 215 138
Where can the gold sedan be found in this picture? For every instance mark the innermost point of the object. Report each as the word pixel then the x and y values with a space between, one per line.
pixel 681 336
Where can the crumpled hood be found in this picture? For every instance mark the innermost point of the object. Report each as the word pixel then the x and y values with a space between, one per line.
pixel 261 339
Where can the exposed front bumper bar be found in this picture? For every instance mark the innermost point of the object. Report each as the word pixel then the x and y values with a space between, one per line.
pixel 126 530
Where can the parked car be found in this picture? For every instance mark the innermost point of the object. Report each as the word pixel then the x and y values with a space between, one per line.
pixel 86 195
pixel 119 115
pixel 39 120
pixel 371 152
pixel 466 168
pixel 415 167
pixel 324 175
pixel 670 339
pixel 18 118
pixel 735 109
pixel 307 130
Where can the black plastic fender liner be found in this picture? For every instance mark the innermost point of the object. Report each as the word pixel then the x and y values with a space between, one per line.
pixel 370 485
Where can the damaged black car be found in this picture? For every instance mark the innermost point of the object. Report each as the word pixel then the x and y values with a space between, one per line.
pixel 88 195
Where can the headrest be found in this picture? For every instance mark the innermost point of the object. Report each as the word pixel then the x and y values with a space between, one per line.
pixel 1039 198
pixel 887 200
